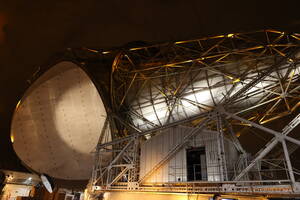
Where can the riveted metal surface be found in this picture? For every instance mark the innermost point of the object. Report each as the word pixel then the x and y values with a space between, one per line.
pixel 56 125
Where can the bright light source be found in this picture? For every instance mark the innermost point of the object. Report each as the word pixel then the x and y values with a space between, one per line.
pixel 18 104
pixel 230 35
pixel 148 136
pixel 236 80
pixel 105 52
pixel 105 195
pixel 96 188
pixel 10 177
pixel 12 138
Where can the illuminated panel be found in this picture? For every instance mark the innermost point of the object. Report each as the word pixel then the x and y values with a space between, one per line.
pixel 206 91
pixel 57 124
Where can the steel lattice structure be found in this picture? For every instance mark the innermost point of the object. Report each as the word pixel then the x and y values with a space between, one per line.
pixel 212 84
pixel 161 84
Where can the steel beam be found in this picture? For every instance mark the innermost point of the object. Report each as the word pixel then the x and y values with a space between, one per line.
pixel 104 128
pixel 271 144
pixel 108 168
pixel 288 161
pixel 119 176
pixel 262 154
pixel 260 77
pixel 275 133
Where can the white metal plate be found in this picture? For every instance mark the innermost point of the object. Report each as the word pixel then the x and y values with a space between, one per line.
pixel 57 124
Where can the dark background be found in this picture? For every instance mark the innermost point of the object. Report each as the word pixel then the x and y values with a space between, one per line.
pixel 31 32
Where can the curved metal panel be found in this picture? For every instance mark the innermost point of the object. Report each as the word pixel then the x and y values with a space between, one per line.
pixel 57 124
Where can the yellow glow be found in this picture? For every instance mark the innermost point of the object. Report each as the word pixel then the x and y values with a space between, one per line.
pixel 18 104
pixel 10 178
pixel 294 36
pixel 12 138
pixel 93 50
pixel 290 60
pixel 230 35
pixel 137 48
pixel 169 193
pixel 105 52
pixel 236 80
pixel 181 42
pixel 105 195
pixel 293 73
pixel 86 195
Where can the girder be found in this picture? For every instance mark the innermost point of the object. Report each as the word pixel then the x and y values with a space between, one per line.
pixel 244 79
pixel 173 81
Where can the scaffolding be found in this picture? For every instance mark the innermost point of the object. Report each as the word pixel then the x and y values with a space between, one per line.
pixel 224 85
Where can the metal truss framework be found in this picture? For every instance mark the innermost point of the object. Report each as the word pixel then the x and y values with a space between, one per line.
pixel 215 84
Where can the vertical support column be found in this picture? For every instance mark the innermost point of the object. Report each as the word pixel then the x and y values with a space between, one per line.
pixel 97 168
pixel 288 162
pixel 221 150
pixel 269 146
pixel 134 170
pixel 136 158
pixel 108 177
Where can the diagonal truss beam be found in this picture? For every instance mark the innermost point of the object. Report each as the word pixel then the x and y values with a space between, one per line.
pixel 166 69
pixel 175 149
pixel 261 76
pixel 119 176
pixel 170 65
pixel 108 168
pixel 279 137
pixel 288 161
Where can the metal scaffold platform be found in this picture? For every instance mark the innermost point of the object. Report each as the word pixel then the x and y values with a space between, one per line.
pixel 199 97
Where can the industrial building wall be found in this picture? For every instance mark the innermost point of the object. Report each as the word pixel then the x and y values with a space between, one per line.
pixel 232 157
pixel 156 148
